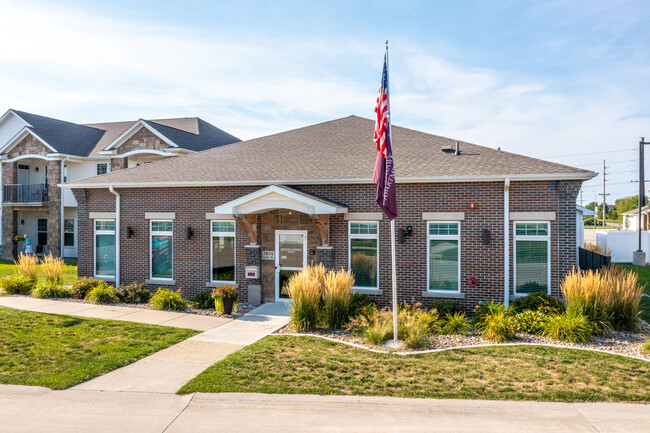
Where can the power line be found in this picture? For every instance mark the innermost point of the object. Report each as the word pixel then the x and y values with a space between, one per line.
pixel 584 154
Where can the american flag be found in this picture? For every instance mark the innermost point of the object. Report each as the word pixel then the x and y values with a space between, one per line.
pixel 384 174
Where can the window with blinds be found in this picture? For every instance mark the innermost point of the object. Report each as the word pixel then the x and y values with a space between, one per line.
pixel 532 257
pixel 443 253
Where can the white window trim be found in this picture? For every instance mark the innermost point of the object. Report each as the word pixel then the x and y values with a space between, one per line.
pixel 351 236
pixel 442 237
pixel 516 238
pixel 108 167
pixel 151 235
pixel 212 235
pixel 74 232
pixel 95 233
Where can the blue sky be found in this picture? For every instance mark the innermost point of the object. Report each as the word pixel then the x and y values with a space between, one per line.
pixel 561 80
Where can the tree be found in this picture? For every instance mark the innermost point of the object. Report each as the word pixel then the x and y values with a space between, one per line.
pixel 592 205
pixel 628 203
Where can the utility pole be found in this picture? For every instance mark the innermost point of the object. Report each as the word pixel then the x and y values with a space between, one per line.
pixel 603 194
pixel 638 256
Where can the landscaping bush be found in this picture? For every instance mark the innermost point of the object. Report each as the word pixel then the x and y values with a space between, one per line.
pixel 305 290
pixel 646 346
pixel 598 249
pixel 16 285
pixel 378 327
pixel 26 265
pixel 203 300
pixel 52 268
pixel 337 287
pixel 414 326
pixel 133 293
pixel 494 323
pixel 530 321
pixel 82 286
pixel 102 293
pixel 608 297
pixel 446 307
pixel 362 305
pixel 218 294
pixel 456 323
pixel 568 326
pixel 537 301
pixel 50 289
pixel 165 299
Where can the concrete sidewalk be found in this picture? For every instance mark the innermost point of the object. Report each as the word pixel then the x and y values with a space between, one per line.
pixel 128 314
pixel 168 370
pixel 33 409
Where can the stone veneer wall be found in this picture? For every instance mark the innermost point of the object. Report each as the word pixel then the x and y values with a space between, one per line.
pixel 485 262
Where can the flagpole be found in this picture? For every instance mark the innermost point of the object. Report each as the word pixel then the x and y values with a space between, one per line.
pixel 392 222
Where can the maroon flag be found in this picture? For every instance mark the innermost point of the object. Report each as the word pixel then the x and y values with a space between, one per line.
pixel 384 175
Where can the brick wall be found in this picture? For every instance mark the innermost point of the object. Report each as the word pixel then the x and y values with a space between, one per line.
pixel 485 262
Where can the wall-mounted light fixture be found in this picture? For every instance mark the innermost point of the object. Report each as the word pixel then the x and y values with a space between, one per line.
pixel 401 234
pixel 190 233
pixel 129 232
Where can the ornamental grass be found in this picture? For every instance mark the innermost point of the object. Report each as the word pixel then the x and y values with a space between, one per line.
pixel 26 265
pixel 608 297
pixel 305 290
pixel 102 293
pixel 338 286
pixel 52 268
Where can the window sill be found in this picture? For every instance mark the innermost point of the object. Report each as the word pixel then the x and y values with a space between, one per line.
pixel 447 295
pixel 220 283
pixel 107 279
pixel 162 282
pixel 366 291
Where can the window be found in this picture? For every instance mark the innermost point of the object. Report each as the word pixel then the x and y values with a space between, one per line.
pixel 443 256
pixel 364 240
pixel 104 248
pixel 223 252
pixel 102 168
pixel 161 249
pixel 532 253
pixel 41 225
pixel 68 232
pixel 65 173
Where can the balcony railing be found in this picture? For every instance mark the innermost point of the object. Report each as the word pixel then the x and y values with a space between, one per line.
pixel 16 194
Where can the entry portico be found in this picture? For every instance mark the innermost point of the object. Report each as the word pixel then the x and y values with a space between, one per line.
pixel 286 229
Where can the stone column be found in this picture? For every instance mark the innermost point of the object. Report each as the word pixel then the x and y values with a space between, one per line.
pixel 54 208
pixel 9 221
pixel 325 255
pixel 254 258
pixel 119 163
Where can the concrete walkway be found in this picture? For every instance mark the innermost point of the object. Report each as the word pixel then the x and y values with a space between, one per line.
pixel 128 314
pixel 34 409
pixel 168 370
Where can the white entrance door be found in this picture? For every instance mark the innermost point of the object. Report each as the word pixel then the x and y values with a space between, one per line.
pixel 290 257
pixel 23 174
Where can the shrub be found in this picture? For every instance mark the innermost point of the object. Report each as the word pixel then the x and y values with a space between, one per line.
pixel 456 323
pixel 537 301
pixel 568 326
pixel 102 293
pixel 133 293
pixel 50 289
pixel 378 327
pixel 82 286
pixel 361 304
pixel 414 326
pixel 598 249
pixel 165 299
pixel 446 307
pixel 26 264
pixel 530 321
pixel 494 323
pixel 16 285
pixel 203 300
pixel 305 290
pixel 609 296
pixel 52 268
pixel 646 346
pixel 337 297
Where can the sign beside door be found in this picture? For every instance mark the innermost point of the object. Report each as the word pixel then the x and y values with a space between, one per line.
pixel 268 255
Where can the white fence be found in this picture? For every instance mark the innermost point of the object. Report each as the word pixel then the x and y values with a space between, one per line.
pixel 622 243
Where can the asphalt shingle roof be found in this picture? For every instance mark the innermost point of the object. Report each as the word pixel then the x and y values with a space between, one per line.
pixel 341 149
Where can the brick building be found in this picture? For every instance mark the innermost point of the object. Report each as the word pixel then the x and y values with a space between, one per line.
pixel 38 153
pixel 474 223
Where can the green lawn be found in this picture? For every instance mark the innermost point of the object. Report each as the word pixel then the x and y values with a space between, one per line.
pixel 60 351
pixel 308 365
pixel 7 267
pixel 644 278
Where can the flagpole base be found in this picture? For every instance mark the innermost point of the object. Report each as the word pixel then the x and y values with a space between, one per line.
pixel 394 344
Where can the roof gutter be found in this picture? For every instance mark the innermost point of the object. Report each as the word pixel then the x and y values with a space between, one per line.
pixel 341 181
pixel 117 234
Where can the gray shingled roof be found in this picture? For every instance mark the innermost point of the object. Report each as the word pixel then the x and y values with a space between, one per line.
pixel 336 151
pixel 70 138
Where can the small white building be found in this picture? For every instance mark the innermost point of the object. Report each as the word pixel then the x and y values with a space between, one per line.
pixel 581 212
pixel 631 219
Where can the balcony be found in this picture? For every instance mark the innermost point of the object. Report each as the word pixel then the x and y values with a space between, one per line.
pixel 24 194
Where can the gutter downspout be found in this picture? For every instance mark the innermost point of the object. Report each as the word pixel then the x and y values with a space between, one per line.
pixel 62 238
pixel 117 234
pixel 506 242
